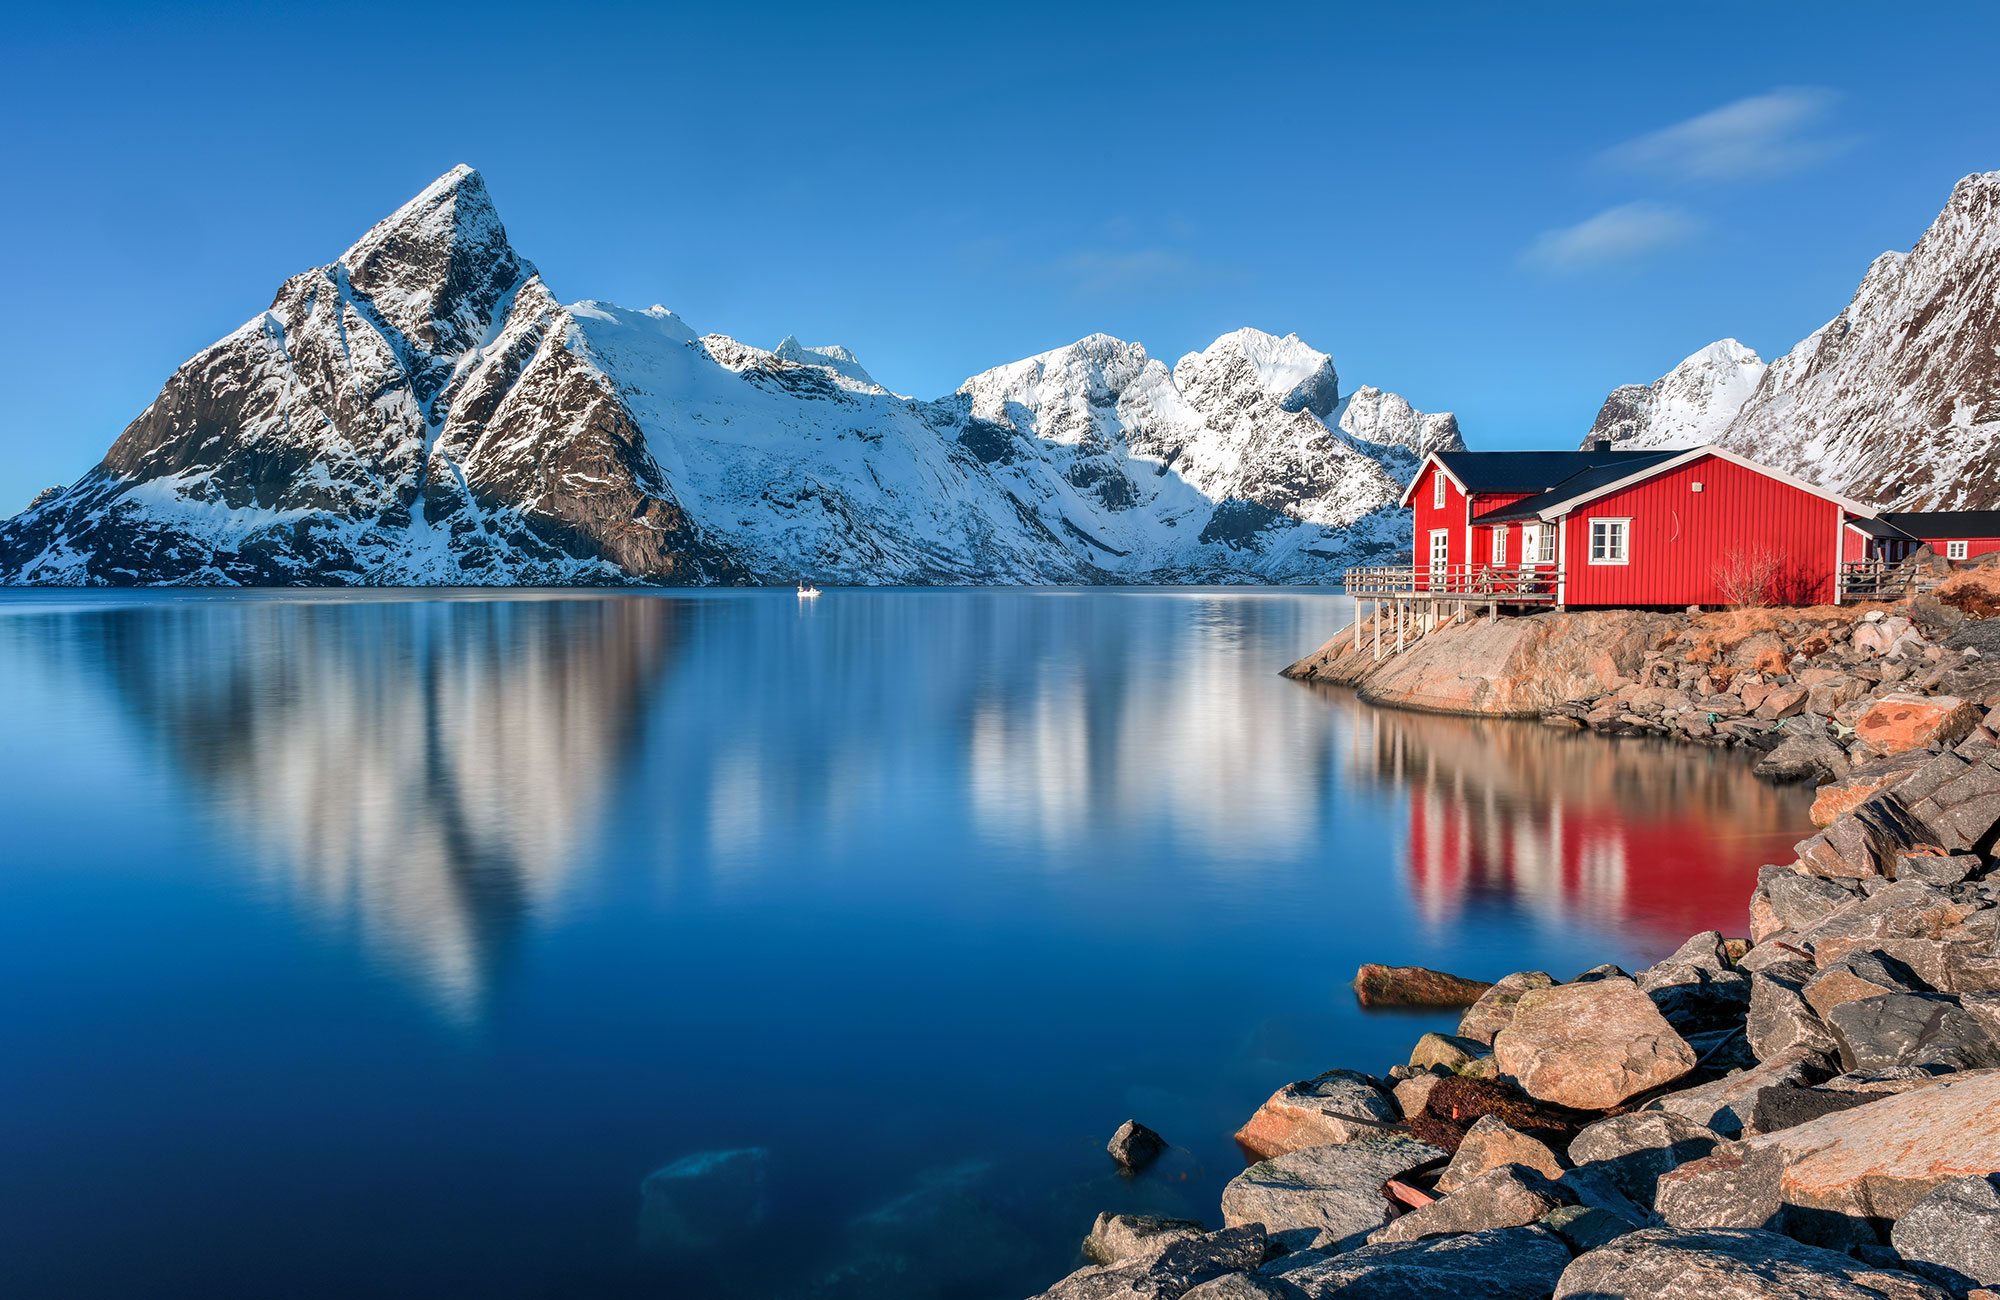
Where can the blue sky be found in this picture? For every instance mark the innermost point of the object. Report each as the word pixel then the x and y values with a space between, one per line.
pixel 1498 210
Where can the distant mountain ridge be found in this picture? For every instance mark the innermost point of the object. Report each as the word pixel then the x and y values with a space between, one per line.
pixel 1896 401
pixel 424 411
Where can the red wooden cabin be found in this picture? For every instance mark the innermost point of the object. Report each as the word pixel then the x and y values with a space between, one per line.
pixel 1954 534
pixel 1702 526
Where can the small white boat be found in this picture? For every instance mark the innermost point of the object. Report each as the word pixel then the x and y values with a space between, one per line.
pixel 807 591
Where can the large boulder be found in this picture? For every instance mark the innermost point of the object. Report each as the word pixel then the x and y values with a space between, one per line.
pixel 1444 1052
pixel 1798 900
pixel 1843 1179
pixel 1920 1029
pixel 1590 1046
pixel 1326 1197
pixel 1123 1238
pixel 1903 720
pixel 1846 793
pixel 1494 1010
pixel 1634 1150
pixel 1170 1274
pixel 1780 1019
pixel 1866 842
pixel 1244 1286
pixel 1511 1196
pixel 1671 1264
pixel 1952 1236
pixel 1134 1146
pixel 1489 1144
pixel 1502 1264
pixel 1963 811
pixel 1338 1106
pixel 1415 986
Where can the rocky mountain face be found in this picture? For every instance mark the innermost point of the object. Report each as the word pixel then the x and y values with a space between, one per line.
pixel 424 411
pixel 1895 401
pixel 1691 404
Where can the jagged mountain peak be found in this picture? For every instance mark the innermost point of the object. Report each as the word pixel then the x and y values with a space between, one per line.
pixel 1298 375
pixel 831 357
pixel 1387 420
pixel 439 267
pixel 1897 399
pixel 1692 404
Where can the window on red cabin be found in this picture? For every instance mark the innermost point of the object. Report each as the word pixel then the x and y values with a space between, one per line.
pixel 1607 541
pixel 1538 544
pixel 1437 490
pixel 1955 550
pixel 1499 547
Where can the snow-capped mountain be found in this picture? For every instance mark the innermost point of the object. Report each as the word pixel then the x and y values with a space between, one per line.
pixel 1691 404
pixel 1897 399
pixel 424 411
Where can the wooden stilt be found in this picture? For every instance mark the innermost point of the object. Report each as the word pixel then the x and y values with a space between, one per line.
pixel 1357 627
pixel 1378 631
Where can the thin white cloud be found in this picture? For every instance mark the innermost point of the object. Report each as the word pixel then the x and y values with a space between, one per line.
pixel 1126 273
pixel 1762 135
pixel 1613 235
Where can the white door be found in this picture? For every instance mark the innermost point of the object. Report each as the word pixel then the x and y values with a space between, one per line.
pixel 1440 557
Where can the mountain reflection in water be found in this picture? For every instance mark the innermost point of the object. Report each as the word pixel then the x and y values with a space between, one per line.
pixel 592 943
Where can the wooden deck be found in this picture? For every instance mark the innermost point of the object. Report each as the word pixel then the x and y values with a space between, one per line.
pixel 1524 584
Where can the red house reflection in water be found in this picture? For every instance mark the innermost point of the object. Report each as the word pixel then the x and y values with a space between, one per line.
pixel 1652 837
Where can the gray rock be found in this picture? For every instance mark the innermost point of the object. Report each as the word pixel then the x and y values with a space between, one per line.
pixel 1245 1286
pixel 1921 1029
pixel 1504 1264
pixel 1511 1196
pixel 1134 1146
pixel 1952 1236
pixel 1781 1021
pixel 1799 900
pixel 1495 1008
pixel 1803 758
pixel 1933 775
pixel 1695 999
pixel 1860 974
pixel 1608 971
pixel 1489 1144
pixel 1123 1238
pixel 1722 1049
pixel 1938 868
pixel 1326 1197
pixel 1634 1150
pixel 1445 1051
pixel 1675 1264
pixel 1171 1274
pixel 1867 841
pixel 1586 1227
pixel 1727 1104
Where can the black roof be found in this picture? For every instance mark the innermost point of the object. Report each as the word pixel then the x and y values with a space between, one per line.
pixel 1943 524
pixel 1878 527
pixel 1537 471
pixel 1594 469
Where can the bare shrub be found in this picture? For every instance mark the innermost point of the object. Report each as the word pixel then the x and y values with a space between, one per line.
pixel 1746 575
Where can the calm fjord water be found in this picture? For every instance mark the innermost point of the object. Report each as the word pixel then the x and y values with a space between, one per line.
pixel 385 944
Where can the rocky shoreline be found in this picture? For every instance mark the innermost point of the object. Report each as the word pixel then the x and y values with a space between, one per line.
pixel 1815 690
pixel 1810 1110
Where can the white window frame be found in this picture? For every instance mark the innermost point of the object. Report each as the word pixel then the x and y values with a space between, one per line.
pixel 1437 570
pixel 1437 489
pixel 1615 526
pixel 1538 544
pixel 1956 550
pixel 1499 551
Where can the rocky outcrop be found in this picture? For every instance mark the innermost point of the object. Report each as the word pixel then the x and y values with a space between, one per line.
pixel 1325 1197
pixel 1338 1106
pixel 1667 1264
pixel 1590 1046
pixel 1414 986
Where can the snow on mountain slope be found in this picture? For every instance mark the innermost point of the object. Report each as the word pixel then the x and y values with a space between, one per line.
pixel 1897 399
pixel 1692 404
pixel 423 410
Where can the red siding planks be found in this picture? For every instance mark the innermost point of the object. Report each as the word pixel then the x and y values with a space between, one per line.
pixel 1680 538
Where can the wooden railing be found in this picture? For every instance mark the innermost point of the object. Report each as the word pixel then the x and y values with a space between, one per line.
pixel 1516 584
pixel 1881 580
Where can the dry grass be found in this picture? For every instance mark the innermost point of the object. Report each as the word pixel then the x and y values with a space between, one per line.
pixel 1976 591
